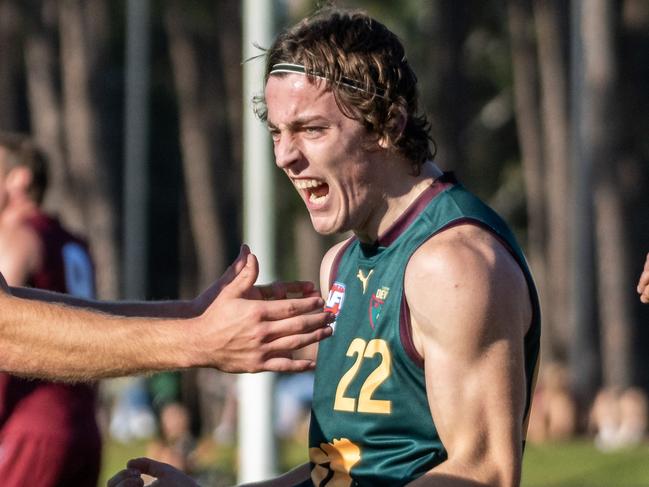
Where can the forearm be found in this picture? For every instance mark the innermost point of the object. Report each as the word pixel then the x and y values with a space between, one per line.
pixel 55 341
pixel 151 309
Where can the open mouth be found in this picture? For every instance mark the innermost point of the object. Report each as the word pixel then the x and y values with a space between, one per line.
pixel 316 191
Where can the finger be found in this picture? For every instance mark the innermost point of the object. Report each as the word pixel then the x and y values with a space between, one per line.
pixel 283 364
pixel 283 290
pixel 149 466
pixel 245 279
pixel 290 290
pixel 644 277
pixel 266 291
pixel 288 308
pixel 126 478
pixel 645 296
pixel 643 282
pixel 288 342
pixel 294 289
pixel 237 265
pixel 298 325
pixel 240 261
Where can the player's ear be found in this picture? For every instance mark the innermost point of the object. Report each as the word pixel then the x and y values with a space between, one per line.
pixel 395 126
pixel 19 179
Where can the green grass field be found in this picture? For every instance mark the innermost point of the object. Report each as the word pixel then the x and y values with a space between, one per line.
pixel 574 464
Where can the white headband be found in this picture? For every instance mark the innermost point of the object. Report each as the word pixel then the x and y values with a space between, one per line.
pixel 299 69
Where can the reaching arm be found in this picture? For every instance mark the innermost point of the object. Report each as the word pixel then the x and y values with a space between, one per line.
pixel 643 283
pixel 168 476
pixel 141 309
pixel 470 310
pixel 236 331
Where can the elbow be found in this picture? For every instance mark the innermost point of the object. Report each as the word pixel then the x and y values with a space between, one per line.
pixel 501 472
pixel 494 469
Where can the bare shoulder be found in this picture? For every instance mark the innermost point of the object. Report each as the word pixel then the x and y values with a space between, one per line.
pixel 20 251
pixel 467 277
pixel 327 263
pixel 16 235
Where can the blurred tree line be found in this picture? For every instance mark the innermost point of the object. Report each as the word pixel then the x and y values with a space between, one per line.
pixel 539 106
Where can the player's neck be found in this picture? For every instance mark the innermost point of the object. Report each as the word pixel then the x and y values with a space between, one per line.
pixel 20 210
pixel 399 193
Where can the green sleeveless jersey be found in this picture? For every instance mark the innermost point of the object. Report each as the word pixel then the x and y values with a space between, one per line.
pixel 370 421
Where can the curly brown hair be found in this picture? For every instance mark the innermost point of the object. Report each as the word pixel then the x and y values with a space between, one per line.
pixel 365 66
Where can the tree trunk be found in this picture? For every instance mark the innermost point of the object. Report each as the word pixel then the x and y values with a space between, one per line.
pixel 45 103
pixel 196 134
pixel 81 48
pixel 601 129
pixel 9 64
pixel 448 31
pixel 230 121
pixel 528 121
pixel 553 71
pixel 634 176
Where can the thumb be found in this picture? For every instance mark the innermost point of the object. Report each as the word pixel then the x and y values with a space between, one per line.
pixel 245 279
pixel 240 262
pixel 148 466
pixel 236 267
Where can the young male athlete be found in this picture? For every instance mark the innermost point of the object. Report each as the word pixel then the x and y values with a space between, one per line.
pixel 42 424
pixel 428 376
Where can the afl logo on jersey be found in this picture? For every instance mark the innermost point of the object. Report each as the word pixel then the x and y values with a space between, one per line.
pixel 335 300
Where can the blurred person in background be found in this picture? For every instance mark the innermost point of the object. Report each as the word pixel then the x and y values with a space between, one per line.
pixel 175 443
pixel 42 424
pixel 643 283
pixel 619 417
pixel 554 410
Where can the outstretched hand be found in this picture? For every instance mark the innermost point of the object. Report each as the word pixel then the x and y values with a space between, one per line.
pixel 248 328
pixel 643 283
pixel 166 475
pixel 276 290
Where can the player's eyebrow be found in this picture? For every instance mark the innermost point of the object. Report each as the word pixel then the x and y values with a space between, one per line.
pixel 300 122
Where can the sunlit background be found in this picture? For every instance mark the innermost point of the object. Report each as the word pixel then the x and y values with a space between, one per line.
pixel 540 107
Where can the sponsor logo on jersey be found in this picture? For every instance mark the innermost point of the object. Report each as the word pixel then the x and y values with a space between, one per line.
pixel 335 300
pixel 364 278
pixel 333 463
pixel 376 304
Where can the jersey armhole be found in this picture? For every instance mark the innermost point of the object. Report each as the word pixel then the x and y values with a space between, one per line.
pixel 333 270
pixel 405 325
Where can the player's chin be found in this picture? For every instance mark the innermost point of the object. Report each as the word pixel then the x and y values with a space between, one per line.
pixel 324 225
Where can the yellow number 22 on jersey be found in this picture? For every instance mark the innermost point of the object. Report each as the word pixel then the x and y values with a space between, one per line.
pixel 366 404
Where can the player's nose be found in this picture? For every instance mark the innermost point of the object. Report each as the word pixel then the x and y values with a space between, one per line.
pixel 286 151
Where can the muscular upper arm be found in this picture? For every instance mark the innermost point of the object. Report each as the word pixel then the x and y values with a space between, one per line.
pixel 470 310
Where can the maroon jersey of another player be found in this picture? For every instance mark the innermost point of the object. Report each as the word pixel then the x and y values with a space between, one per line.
pixel 64 411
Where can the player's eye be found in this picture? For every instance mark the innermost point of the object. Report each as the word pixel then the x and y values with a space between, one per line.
pixel 313 131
